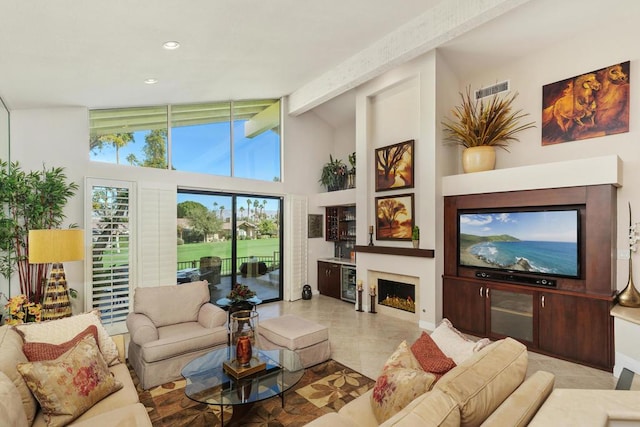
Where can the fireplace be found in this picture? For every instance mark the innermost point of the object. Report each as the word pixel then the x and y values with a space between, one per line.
pixel 411 285
pixel 398 295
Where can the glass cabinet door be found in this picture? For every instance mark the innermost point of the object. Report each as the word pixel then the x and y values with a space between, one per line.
pixel 348 288
pixel 511 314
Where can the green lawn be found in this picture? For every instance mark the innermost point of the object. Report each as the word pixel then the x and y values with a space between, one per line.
pixel 260 247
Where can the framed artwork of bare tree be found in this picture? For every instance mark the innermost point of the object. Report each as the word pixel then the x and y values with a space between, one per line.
pixel 394 166
pixel 394 217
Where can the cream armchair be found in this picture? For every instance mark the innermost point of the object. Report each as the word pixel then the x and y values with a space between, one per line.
pixel 169 327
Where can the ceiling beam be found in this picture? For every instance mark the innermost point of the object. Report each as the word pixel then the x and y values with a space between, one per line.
pixel 448 20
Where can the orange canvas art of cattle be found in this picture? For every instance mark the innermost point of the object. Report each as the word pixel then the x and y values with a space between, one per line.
pixel 586 106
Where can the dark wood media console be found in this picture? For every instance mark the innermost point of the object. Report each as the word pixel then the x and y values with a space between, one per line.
pixel 570 320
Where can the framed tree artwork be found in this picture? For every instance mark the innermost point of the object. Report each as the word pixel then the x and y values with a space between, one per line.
pixel 394 217
pixel 394 166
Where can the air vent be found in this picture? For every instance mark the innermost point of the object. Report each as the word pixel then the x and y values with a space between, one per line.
pixel 492 90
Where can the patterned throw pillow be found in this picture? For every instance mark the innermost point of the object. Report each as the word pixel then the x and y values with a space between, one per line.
pixel 396 388
pixel 62 330
pixel 402 358
pixel 37 351
pixel 71 384
pixel 430 357
pixel 454 344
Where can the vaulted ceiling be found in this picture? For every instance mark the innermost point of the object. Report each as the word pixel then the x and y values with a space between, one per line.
pixel 98 53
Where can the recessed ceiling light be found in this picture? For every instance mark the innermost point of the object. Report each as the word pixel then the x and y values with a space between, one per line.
pixel 151 81
pixel 171 45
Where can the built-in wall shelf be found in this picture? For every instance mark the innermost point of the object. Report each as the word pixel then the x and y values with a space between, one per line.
pixel 335 198
pixel 387 250
pixel 570 173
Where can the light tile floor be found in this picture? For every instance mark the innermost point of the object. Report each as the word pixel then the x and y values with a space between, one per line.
pixel 364 341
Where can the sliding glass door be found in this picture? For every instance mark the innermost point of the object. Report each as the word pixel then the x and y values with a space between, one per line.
pixel 228 239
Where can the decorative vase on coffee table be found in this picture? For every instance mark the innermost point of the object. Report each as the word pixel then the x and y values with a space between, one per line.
pixel 243 350
pixel 478 159
pixel 244 323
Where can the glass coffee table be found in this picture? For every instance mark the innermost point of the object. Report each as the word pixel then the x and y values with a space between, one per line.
pixel 208 383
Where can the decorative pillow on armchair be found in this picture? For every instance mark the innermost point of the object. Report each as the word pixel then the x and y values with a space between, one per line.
pixel 430 357
pixel 68 386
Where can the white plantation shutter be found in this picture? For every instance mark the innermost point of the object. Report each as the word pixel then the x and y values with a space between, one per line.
pixel 296 250
pixel 157 242
pixel 111 266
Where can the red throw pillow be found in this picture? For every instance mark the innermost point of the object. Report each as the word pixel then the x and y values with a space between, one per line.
pixel 430 357
pixel 40 351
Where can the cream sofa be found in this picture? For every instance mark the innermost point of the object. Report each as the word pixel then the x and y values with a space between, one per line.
pixel 487 389
pixel 18 407
pixel 169 327
pixel 569 407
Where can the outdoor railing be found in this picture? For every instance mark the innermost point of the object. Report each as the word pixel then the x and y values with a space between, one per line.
pixel 272 262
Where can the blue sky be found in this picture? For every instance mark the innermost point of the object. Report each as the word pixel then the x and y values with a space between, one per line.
pixel 206 149
pixel 550 226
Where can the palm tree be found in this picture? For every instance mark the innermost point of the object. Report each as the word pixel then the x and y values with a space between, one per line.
pixel 248 208
pixel 241 211
pixel 256 205
pixel 221 210
pixel 118 140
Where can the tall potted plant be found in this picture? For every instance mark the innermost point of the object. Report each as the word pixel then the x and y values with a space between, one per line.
pixel 29 201
pixel 481 126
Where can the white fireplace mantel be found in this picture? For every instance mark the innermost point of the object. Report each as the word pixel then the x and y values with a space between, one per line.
pixel 571 173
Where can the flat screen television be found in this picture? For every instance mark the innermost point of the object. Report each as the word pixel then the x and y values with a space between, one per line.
pixel 541 242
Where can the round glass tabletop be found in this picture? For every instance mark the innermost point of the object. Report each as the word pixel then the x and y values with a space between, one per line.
pixel 208 382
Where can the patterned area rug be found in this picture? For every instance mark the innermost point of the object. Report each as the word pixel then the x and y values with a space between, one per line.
pixel 326 387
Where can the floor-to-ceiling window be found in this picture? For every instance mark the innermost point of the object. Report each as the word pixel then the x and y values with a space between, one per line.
pixel 228 239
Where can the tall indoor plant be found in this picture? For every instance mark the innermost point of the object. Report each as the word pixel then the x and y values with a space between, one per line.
pixel 29 201
pixel 480 126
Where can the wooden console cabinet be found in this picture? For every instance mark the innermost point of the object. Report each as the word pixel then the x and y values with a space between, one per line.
pixel 573 327
pixel 329 279
pixel 572 320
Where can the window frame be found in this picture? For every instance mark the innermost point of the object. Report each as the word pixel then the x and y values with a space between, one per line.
pixel 113 120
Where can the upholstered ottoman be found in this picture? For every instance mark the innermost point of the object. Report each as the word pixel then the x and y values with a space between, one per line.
pixel 309 339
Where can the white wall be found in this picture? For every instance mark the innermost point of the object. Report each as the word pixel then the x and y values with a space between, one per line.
pixel 393 108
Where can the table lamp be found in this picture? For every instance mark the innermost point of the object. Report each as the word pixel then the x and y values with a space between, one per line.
pixel 55 246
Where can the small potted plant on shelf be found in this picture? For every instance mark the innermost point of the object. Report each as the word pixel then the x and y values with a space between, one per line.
pixel 481 126
pixel 334 174
pixel 351 175
pixel 415 236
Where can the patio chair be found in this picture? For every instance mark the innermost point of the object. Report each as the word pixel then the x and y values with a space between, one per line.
pixel 210 269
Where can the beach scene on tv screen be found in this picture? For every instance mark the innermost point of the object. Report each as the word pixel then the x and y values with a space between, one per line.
pixel 538 242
